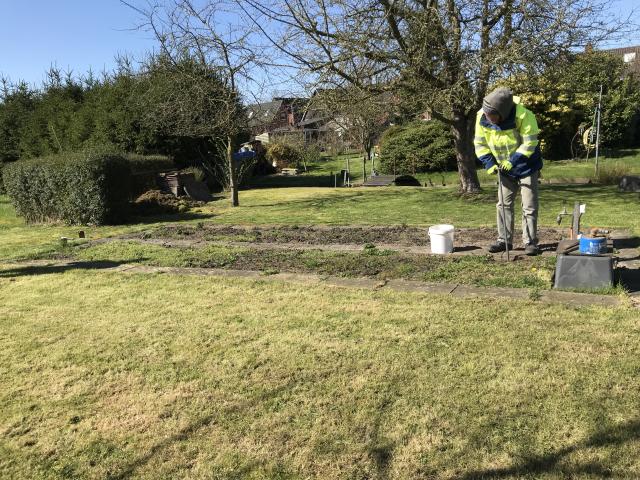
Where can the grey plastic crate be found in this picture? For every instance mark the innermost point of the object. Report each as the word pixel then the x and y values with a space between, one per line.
pixel 584 271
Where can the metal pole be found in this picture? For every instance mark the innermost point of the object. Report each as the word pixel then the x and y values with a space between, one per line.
pixel 348 174
pixel 364 168
pixel 504 218
pixel 598 130
pixel 591 134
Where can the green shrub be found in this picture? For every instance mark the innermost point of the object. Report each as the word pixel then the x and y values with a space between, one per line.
pixel 76 188
pixel 197 172
pixel 283 155
pixel 310 154
pixel 417 147
pixel 149 163
pixel 611 174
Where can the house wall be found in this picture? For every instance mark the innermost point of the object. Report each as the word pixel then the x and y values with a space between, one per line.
pixel 630 55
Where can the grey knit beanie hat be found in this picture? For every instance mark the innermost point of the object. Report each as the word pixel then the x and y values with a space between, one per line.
pixel 499 101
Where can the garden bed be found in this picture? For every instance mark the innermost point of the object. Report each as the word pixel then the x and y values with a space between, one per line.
pixel 337 235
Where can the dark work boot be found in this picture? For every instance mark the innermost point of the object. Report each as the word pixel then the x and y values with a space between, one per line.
pixel 531 250
pixel 499 247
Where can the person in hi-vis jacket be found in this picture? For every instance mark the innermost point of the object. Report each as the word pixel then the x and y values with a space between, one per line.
pixel 506 142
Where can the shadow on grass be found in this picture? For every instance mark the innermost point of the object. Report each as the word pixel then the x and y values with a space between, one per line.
pixel 30 270
pixel 629 278
pixel 289 181
pixel 625 152
pixel 628 242
pixel 536 465
pixel 129 470
pixel 168 217
pixel 181 435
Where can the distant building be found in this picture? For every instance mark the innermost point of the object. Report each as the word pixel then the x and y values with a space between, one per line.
pixel 277 118
pixel 320 127
pixel 630 56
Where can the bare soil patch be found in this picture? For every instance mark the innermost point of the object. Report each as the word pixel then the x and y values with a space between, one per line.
pixel 336 235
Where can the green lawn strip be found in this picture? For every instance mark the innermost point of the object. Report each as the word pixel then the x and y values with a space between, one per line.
pixel 19 241
pixel 606 207
pixel 319 173
pixel 157 376
pixel 371 262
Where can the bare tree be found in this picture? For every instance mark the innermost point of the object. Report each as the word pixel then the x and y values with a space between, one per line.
pixel 215 35
pixel 183 97
pixel 443 54
pixel 360 115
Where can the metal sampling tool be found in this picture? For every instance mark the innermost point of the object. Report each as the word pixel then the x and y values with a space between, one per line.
pixel 504 219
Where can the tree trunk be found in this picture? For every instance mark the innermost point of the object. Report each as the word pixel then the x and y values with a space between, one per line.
pixel 463 131
pixel 364 168
pixel 233 174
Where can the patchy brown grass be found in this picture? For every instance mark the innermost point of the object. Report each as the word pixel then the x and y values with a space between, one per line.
pixel 154 376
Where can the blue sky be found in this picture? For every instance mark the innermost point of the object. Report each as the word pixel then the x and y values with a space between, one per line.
pixel 77 35
pixel 74 34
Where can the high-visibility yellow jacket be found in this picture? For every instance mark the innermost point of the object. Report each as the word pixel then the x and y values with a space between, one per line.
pixel 515 139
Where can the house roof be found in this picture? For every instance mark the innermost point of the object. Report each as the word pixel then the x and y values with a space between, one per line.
pixel 313 116
pixel 263 113
pixel 630 55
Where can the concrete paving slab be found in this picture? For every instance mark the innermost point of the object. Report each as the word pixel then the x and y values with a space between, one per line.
pixel 415 286
pixel 367 283
pixel 491 292
pixel 579 299
pixel 552 296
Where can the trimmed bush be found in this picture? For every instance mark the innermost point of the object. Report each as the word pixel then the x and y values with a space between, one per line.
pixel 150 163
pixel 283 155
pixel 417 147
pixel 76 188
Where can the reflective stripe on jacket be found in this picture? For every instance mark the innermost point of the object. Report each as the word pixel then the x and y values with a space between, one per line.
pixel 515 139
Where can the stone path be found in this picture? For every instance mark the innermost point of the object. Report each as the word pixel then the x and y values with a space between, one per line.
pixel 454 290
pixel 627 248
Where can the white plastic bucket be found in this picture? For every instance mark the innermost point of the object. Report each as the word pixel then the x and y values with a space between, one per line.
pixel 441 237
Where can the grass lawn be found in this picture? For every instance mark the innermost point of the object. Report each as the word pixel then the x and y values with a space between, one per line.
pixel 319 173
pixel 156 376
pixel 109 375
pixel 19 241
pixel 606 207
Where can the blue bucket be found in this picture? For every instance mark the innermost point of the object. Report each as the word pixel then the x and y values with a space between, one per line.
pixel 593 246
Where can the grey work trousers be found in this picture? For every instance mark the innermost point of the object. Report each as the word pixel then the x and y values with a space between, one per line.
pixel 528 187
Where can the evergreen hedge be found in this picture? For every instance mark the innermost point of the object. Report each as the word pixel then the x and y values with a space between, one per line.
pixel 417 147
pixel 76 188
pixel 141 164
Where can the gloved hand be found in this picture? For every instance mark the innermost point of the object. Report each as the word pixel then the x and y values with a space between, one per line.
pixel 493 170
pixel 506 165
